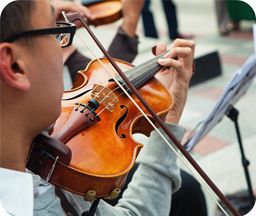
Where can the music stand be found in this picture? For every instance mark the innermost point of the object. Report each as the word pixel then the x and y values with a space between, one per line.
pixel 236 88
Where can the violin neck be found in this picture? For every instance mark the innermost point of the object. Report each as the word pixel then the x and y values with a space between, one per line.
pixel 142 73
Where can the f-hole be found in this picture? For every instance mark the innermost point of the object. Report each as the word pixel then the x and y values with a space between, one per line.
pixel 120 120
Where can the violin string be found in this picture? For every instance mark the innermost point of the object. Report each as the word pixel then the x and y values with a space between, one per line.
pixel 119 94
pixel 181 157
pixel 135 83
pixel 117 88
pixel 119 84
pixel 103 65
pixel 141 68
pixel 148 65
pixel 63 13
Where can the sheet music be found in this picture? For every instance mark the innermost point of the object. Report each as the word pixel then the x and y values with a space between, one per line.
pixel 236 88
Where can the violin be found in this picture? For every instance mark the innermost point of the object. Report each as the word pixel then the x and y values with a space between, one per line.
pixel 97 123
pixel 103 11
pixel 60 166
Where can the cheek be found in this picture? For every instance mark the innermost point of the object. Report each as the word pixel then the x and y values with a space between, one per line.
pixel 52 79
pixel 53 63
pixel 58 81
pixel 55 89
pixel 56 70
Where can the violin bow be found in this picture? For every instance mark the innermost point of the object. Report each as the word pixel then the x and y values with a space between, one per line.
pixel 71 17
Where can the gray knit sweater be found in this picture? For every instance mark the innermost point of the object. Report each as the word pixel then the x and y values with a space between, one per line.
pixel 148 194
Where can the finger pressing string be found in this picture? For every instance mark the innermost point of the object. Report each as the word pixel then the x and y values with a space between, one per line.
pixel 170 63
pixel 178 51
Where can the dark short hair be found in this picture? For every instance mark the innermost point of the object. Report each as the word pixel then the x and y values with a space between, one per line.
pixel 16 17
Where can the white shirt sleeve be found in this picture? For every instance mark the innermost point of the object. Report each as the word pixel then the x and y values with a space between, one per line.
pixel 16 193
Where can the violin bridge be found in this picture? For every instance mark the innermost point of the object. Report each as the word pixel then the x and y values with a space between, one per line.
pixel 104 96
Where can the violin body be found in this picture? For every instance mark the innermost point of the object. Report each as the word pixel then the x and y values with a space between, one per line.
pixel 102 147
pixel 107 149
pixel 103 11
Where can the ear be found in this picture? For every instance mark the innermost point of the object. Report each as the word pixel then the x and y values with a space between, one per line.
pixel 12 70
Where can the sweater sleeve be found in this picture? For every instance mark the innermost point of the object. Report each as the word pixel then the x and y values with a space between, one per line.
pixel 150 191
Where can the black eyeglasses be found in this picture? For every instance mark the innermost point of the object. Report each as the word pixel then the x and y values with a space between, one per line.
pixel 64 33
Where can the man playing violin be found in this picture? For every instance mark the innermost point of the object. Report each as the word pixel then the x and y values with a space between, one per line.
pixel 31 91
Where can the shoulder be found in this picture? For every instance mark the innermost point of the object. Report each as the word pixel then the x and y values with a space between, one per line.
pixel 45 200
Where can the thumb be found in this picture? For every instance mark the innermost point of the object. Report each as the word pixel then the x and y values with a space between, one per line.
pixel 159 48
